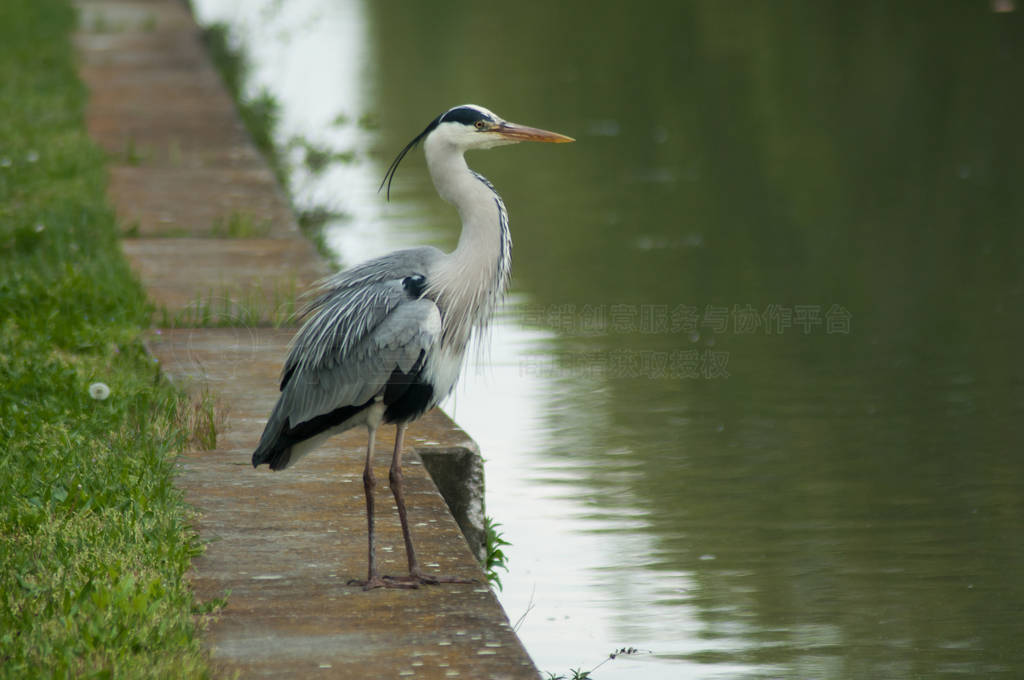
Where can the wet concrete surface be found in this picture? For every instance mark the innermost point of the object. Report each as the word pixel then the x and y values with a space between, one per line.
pixel 281 546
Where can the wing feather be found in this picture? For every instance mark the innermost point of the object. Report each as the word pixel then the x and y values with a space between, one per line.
pixel 336 366
pixel 361 327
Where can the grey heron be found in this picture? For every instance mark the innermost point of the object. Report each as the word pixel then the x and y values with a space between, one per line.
pixel 384 341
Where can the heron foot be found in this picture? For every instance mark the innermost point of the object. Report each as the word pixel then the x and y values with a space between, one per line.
pixel 417 576
pixel 382 582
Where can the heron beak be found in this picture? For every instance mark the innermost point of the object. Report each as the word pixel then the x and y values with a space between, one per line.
pixel 522 133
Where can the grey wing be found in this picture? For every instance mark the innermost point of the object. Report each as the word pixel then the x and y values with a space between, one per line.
pixel 346 353
pixel 362 326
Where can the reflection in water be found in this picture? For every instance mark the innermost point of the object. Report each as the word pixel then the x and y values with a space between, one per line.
pixel 754 405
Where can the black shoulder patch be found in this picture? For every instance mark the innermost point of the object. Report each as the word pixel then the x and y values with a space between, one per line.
pixel 286 377
pixel 466 115
pixel 414 285
pixel 407 395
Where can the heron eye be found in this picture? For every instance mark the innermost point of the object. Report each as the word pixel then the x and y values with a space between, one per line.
pixel 479 125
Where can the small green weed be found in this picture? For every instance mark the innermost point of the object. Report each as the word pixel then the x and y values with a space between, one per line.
pixel 211 607
pixel 580 674
pixel 235 308
pixel 318 158
pixel 496 557
pixel 260 114
pixel 313 222
pixel 577 674
pixel 132 154
pixel 368 121
pixel 240 225
pixel 315 218
pixel 201 417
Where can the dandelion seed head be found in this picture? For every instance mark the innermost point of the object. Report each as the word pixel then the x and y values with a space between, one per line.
pixel 99 391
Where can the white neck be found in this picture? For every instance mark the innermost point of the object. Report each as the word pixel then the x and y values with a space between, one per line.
pixel 473 277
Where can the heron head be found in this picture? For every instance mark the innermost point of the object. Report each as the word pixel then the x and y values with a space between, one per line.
pixel 470 126
pixel 473 127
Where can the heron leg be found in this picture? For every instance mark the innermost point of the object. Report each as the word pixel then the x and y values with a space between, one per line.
pixel 373 578
pixel 416 573
pixel 395 480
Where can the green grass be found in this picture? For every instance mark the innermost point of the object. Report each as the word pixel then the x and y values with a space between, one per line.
pixel 94 538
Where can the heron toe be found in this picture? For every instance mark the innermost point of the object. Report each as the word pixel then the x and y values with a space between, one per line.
pixel 383 582
pixel 418 576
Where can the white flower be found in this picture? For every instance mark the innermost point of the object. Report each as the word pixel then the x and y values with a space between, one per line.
pixel 99 391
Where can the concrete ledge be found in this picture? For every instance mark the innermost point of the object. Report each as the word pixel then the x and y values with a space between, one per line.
pixel 458 473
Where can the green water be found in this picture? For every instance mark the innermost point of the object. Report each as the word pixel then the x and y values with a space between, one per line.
pixel 775 291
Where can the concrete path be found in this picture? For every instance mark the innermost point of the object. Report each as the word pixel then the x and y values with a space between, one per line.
pixel 281 545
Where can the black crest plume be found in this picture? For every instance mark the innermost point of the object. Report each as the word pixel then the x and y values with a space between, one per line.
pixel 390 174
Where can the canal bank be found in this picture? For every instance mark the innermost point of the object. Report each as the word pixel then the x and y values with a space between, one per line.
pixel 280 547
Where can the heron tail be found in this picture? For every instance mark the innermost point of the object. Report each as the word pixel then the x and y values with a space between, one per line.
pixel 275 447
pixel 277 457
